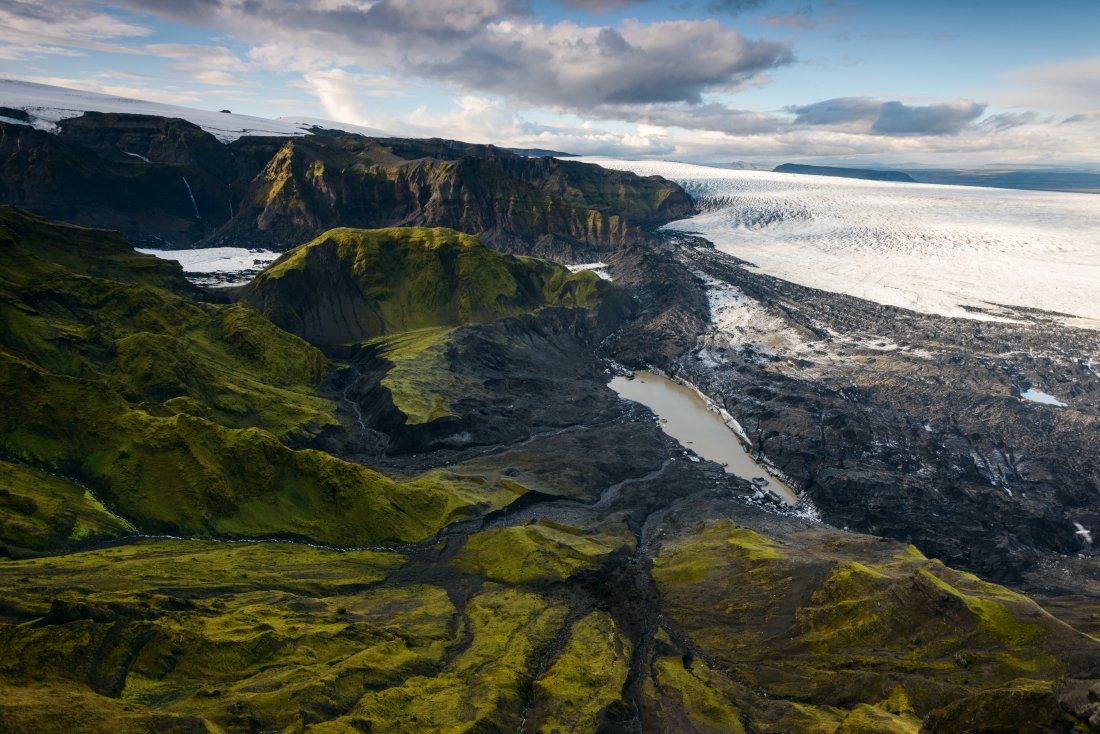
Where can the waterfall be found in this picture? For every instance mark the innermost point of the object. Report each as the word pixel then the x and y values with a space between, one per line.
pixel 193 202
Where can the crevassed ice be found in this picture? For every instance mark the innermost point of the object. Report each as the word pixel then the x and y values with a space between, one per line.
pixel 927 247
pixel 216 259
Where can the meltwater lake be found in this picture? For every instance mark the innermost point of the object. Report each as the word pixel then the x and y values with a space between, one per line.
pixel 686 417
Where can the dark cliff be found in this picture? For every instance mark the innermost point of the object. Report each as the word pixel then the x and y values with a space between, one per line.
pixel 167 182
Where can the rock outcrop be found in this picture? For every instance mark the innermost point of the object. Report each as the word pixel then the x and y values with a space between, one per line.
pixel 167 182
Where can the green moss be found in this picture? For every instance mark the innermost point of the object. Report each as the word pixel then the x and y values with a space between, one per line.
pixel 54 708
pixel 292 660
pixel 532 553
pixel 247 636
pixel 202 568
pixel 350 285
pixel 697 696
pixel 482 688
pixel 28 243
pixel 848 622
pixel 420 382
pixel 996 620
pixel 40 512
pixel 175 411
pixel 867 719
pixel 124 327
pixel 588 676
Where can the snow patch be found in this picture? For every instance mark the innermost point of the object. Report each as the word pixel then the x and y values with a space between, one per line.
pixel 745 322
pixel 1037 396
pixel 600 269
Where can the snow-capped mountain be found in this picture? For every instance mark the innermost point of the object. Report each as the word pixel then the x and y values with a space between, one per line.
pixel 45 105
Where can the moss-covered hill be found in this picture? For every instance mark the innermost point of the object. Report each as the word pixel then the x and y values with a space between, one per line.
pixel 533 628
pixel 165 180
pixel 179 414
pixel 349 285
pixel 628 589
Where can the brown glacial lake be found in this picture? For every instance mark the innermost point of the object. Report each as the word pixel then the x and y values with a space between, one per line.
pixel 686 417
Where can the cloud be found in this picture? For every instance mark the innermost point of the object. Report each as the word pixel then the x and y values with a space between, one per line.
pixel 214 65
pixel 601 6
pixel 836 111
pixel 794 21
pixel 896 118
pixel 890 118
pixel 28 29
pixel 108 83
pixel 496 47
pixel 714 117
pixel 566 66
pixel 734 7
pixel 341 93
pixel 1066 86
pixel 1091 116
pixel 485 120
pixel 1008 120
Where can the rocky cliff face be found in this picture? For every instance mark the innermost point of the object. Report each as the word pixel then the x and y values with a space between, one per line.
pixel 161 180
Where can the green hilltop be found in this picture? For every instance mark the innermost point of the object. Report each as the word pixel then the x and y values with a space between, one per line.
pixel 349 285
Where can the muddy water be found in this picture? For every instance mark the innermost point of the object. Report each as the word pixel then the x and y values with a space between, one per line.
pixel 686 417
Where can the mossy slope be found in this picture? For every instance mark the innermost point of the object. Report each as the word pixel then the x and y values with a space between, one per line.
pixel 40 512
pixel 543 552
pixel 350 285
pixel 830 622
pixel 176 412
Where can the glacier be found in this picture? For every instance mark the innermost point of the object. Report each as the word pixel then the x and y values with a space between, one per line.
pixel 973 252
pixel 218 266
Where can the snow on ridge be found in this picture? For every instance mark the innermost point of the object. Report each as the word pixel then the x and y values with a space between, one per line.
pixel 307 123
pixel 949 250
pixel 48 105
pixel 600 269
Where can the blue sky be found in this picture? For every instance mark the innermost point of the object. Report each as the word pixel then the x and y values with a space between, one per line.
pixel 933 82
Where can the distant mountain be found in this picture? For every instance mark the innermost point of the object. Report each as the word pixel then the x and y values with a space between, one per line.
pixel 540 153
pixel 1031 180
pixel 866 174
pixel 746 166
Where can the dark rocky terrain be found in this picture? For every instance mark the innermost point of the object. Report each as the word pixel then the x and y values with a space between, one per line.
pixel 166 182
pixel 444 519
pixel 910 425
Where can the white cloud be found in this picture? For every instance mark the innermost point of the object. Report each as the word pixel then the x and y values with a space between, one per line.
pixel 1069 87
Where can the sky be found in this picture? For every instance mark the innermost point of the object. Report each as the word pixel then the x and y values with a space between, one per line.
pixel 936 82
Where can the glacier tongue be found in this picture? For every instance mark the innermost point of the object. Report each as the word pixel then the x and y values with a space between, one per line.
pixel 949 250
